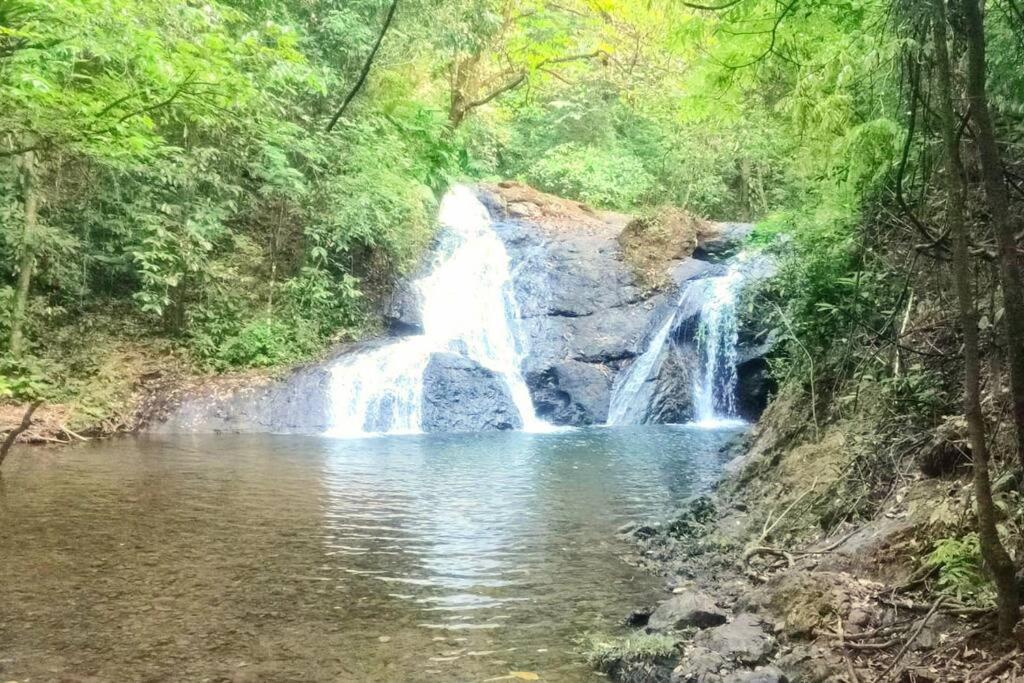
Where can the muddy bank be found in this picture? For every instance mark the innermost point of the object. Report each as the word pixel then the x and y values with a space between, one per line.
pixel 759 589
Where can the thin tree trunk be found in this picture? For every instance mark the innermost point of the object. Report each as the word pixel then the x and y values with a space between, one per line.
pixel 998 204
pixel 366 67
pixel 12 435
pixel 992 549
pixel 30 203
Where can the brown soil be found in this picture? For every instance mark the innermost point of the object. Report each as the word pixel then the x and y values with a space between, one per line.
pixel 857 596
pixel 650 243
pixel 556 215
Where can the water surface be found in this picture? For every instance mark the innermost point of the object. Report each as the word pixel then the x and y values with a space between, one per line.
pixel 289 558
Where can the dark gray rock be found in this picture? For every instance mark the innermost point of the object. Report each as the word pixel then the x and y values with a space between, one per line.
pixel 725 242
pixel 809 664
pixel 744 640
pixel 701 665
pixel 460 395
pixel 403 312
pixel 762 674
pixel 297 404
pixel 571 392
pixel 754 387
pixel 688 609
pixel 695 269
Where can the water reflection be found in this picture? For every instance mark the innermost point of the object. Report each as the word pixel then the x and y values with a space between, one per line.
pixel 442 557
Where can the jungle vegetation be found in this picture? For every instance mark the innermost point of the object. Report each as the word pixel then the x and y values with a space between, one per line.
pixel 238 183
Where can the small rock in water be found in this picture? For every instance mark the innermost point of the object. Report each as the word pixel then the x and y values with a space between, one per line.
pixel 385 639
pixel 638 618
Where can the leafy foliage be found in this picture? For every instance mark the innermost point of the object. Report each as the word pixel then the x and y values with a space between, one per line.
pixel 960 571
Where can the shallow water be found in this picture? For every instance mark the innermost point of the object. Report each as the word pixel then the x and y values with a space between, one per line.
pixel 290 558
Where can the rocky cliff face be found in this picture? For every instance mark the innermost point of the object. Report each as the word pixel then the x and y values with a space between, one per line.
pixel 592 289
pixel 586 313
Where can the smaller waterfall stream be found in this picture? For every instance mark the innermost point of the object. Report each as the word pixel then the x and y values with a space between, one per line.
pixel 714 381
pixel 467 308
pixel 714 385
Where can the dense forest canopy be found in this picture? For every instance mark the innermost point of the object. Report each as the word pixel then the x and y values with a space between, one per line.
pixel 185 182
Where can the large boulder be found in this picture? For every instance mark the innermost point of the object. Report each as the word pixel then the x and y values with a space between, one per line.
pixel 723 241
pixel 571 392
pixel 689 609
pixel 403 310
pixel 298 403
pixel 585 314
pixel 743 641
pixel 460 395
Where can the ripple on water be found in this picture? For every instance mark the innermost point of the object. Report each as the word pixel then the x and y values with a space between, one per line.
pixel 320 559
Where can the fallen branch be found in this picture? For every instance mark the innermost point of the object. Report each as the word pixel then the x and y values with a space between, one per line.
pixel 13 434
pixel 995 668
pixel 65 430
pixel 756 551
pixel 912 638
pixel 854 676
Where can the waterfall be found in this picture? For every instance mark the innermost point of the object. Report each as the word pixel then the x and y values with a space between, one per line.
pixel 468 307
pixel 713 383
pixel 630 399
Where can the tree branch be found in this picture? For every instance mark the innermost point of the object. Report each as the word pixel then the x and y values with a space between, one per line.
pixel 775 34
pixel 712 8
pixel 13 434
pixel 366 67
pixel 501 89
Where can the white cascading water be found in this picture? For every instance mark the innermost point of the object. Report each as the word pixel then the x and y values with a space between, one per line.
pixel 627 406
pixel 714 382
pixel 467 307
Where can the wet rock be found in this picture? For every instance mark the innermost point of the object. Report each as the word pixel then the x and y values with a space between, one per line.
pixel 638 618
pixel 627 529
pixel 584 315
pixel 744 640
pixel 754 386
pixel 723 242
pixel 701 665
pixel 762 674
pixel 460 395
pixel 688 609
pixel 808 664
pixel 403 312
pixel 571 392
pixel 298 403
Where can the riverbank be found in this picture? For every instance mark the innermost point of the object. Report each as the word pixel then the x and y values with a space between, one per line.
pixel 763 585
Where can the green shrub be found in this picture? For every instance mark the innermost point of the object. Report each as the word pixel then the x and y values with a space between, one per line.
pixel 264 343
pixel 960 570
pixel 609 177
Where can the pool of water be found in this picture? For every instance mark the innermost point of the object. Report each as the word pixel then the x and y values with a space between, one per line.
pixel 292 558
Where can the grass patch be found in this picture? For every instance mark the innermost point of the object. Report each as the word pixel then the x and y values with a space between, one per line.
pixel 604 652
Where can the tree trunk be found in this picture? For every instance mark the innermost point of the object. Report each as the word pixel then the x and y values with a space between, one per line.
pixel 998 204
pixel 30 203
pixel 992 550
